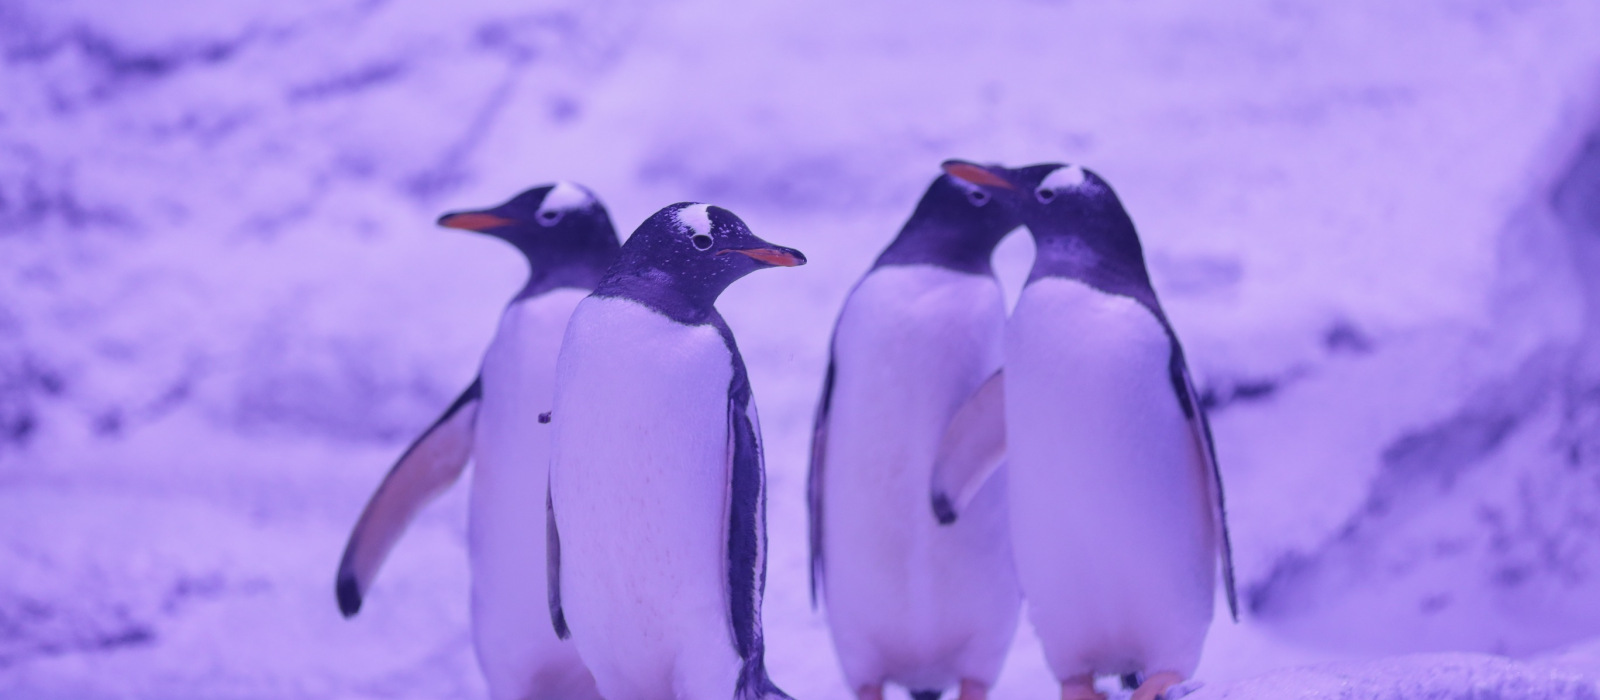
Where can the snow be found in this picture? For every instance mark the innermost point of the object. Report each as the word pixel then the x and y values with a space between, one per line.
pixel 224 308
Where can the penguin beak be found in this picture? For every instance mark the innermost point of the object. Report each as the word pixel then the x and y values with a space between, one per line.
pixel 976 174
pixel 474 221
pixel 772 255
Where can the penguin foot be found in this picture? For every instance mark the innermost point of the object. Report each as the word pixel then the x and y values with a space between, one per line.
pixel 1156 685
pixel 973 690
pixel 1080 688
pixel 870 692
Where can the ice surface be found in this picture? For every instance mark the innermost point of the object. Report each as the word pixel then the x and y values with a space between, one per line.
pixel 1443 676
pixel 224 309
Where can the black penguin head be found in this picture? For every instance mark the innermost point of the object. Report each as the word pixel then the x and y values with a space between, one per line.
pixel 1079 226
pixel 548 219
pixel 957 225
pixel 682 257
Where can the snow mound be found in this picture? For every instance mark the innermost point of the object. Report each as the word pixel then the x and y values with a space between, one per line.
pixel 1415 677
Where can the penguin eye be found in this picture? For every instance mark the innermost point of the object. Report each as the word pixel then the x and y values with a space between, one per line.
pixel 549 217
pixel 1045 194
pixel 700 241
pixel 978 197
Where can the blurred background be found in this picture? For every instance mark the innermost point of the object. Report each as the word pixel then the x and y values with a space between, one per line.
pixel 224 307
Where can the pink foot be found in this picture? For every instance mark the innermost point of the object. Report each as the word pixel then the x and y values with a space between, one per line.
pixel 1156 685
pixel 1080 688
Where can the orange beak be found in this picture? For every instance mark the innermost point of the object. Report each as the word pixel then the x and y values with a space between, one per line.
pixel 773 256
pixel 475 221
pixel 976 174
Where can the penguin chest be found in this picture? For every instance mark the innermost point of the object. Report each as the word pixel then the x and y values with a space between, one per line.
pixel 1111 524
pixel 511 453
pixel 640 479
pixel 912 343
pixel 511 447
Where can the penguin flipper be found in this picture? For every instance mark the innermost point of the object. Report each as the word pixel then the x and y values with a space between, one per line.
pixel 552 571
pixel 1200 427
pixel 429 466
pixel 819 451
pixel 973 449
pixel 747 521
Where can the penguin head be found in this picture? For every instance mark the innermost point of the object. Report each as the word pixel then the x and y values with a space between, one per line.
pixel 957 225
pixel 682 258
pixel 549 224
pixel 1079 226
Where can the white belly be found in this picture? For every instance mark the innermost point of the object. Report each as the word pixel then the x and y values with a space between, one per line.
pixel 640 484
pixel 908 600
pixel 1113 535
pixel 516 644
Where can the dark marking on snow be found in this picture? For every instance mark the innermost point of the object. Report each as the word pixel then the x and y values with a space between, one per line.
pixel 1344 337
pixel 108 423
pixel 33 629
pixel 35 192
pixel 1576 197
pixel 1218 397
pixel 359 80
pixel 24 383
pixel 1419 469
pixel 544 418
pixel 1435 603
pixel 117 67
pixel 926 694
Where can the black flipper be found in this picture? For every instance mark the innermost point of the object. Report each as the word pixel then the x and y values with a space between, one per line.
pixel 972 449
pixel 552 570
pixel 1189 400
pixel 819 451
pixel 429 466
pixel 747 530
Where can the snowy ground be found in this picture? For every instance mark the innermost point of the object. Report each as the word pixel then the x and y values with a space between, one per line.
pixel 223 307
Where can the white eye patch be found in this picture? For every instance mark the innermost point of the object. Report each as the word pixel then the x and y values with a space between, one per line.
pixel 1063 178
pixel 696 218
pixel 562 198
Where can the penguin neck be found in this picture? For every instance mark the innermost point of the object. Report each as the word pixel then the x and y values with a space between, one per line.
pixel 923 242
pixel 1108 263
pixel 585 273
pixel 673 296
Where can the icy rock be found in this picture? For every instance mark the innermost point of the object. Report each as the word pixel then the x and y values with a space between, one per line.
pixel 1456 676
pixel 1478 528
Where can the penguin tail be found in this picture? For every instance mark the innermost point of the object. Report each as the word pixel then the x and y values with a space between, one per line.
pixel 926 694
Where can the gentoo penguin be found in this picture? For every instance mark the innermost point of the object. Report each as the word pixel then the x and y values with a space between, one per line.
pixel 910 602
pixel 569 242
pixel 1117 517
pixel 657 499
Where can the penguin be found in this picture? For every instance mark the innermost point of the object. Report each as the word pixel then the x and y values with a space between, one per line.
pixel 1118 521
pixel 910 602
pixel 657 498
pixel 568 240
